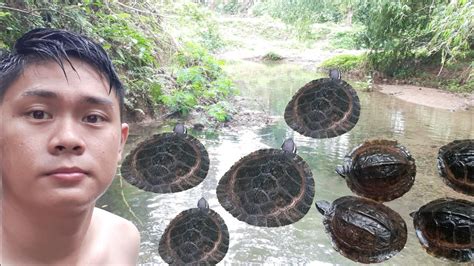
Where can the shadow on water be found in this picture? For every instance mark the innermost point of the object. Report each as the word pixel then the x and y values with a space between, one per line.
pixel 421 129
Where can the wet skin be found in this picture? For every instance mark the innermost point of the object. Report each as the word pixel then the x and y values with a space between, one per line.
pixel 61 138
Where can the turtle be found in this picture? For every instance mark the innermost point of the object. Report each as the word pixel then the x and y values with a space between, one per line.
pixel 167 162
pixel 323 108
pixel 456 165
pixel 268 187
pixel 362 229
pixel 445 228
pixel 196 236
pixel 381 170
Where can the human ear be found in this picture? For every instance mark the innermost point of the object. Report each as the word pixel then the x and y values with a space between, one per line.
pixel 123 140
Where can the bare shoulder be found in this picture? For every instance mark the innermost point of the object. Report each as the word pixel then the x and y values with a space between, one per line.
pixel 120 236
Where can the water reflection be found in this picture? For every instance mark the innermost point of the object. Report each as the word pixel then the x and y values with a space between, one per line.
pixel 421 129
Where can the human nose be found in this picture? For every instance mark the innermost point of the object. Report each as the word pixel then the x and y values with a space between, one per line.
pixel 66 138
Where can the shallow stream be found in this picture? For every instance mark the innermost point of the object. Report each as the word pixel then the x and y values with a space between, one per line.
pixel 422 130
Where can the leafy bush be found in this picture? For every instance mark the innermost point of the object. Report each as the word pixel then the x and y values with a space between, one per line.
pixel 272 56
pixel 346 40
pixel 200 25
pixel 201 81
pixel 401 34
pixel 220 111
pixel 344 62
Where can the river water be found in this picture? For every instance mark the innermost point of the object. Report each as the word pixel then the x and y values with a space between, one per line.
pixel 421 129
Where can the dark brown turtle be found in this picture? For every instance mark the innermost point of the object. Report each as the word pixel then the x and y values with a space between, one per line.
pixel 197 236
pixel 445 228
pixel 268 187
pixel 167 162
pixel 456 165
pixel 363 230
pixel 324 108
pixel 379 169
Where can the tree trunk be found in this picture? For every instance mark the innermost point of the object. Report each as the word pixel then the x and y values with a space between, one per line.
pixel 349 16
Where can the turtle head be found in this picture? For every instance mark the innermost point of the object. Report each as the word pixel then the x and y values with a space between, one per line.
pixel 341 171
pixel 289 145
pixel 323 206
pixel 179 129
pixel 334 74
pixel 203 205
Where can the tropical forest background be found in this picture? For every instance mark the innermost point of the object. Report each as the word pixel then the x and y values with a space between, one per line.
pixel 167 52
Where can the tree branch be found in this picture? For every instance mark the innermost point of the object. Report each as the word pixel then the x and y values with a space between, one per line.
pixel 19 10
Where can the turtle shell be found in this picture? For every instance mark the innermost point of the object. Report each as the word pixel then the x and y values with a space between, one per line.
pixel 445 228
pixel 364 230
pixel 456 165
pixel 379 169
pixel 268 187
pixel 195 236
pixel 323 108
pixel 166 163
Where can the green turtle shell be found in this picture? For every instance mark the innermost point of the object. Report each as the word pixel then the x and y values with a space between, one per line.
pixel 268 187
pixel 166 163
pixel 381 170
pixel 323 108
pixel 196 236
pixel 445 228
pixel 364 230
pixel 456 165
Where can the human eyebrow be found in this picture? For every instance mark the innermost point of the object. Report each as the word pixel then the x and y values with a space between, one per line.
pixel 40 93
pixel 97 101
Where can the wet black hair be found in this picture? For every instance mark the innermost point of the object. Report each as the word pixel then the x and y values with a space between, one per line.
pixel 45 44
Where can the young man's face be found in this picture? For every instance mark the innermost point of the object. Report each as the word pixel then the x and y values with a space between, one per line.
pixel 60 138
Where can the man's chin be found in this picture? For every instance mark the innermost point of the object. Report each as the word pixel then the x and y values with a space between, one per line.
pixel 70 199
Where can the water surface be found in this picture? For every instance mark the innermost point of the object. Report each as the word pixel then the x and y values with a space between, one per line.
pixel 421 129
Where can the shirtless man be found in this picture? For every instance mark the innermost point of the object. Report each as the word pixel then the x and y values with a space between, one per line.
pixel 61 137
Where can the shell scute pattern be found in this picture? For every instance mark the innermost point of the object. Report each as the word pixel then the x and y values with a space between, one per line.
pixel 323 108
pixel 166 163
pixel 195 236
pixel 268 187
pixel 381 170
pixel 363 230
pixel 445 228
pixel 456 165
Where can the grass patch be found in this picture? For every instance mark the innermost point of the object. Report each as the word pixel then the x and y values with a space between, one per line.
pixel 344 62
pixel 271 56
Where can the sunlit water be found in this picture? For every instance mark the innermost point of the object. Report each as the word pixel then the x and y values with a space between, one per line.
pixel 421 129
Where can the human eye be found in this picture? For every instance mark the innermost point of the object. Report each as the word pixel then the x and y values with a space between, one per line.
pixel 39 115
pixel 94 119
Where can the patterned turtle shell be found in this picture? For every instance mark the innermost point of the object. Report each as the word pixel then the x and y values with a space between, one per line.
pixel 363 230
pixel 197 236
pixel 323 108
pixel 379 169
pixel 456 165
pixel 167 163
pixel 269 187
pixel 445 228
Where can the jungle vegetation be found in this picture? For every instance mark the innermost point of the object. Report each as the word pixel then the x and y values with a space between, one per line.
pixel 404 38
pixel 165 74
pixel 170 68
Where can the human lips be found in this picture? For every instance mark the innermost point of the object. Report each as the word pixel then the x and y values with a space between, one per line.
pixel 68 174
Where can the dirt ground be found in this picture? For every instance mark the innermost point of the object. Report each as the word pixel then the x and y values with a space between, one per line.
pixel 251 45
pixel 429 97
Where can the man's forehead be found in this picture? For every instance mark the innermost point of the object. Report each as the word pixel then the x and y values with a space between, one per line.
pixel 47 79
